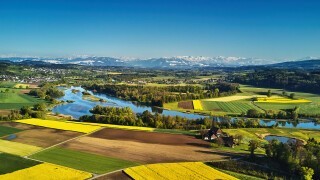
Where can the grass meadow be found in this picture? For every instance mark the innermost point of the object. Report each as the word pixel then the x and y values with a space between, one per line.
pixel 14 99
pixel 8 130
pixel 14 163
pixel 82 161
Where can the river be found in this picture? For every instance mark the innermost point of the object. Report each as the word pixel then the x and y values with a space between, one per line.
pixel 81 107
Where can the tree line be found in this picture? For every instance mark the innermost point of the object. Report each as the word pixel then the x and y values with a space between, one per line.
pixel 302 160
pixel 270 114
pixel 36 111
pixel 47 91
pixel 294 80
pixel 157 96
pixel 126 116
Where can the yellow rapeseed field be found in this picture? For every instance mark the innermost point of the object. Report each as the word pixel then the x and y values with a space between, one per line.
pixel 17 148
pixel 177 171
pixel 46 171
pixel 63 125
pixel 233 98
pixel 281 100
pixel 118 126
pixel 197 105
pixel 22 86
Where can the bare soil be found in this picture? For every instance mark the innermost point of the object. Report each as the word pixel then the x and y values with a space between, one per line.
pixel 25 91
pixel 119 175
pixel 145 147
pixel 186 105
pixel 149 137
pixel 19 125
pixel 5 112
pixel 40 136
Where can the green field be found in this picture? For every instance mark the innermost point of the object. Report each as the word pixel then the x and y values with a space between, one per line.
pixel 13 99
pixel 306 108
pixel 8 130
pixel 82 161
pixel 239 175
pixel 233 106
pixel 243 147
pixel 174 106
pixel 252 133
pixel 7 84
pixel 10 163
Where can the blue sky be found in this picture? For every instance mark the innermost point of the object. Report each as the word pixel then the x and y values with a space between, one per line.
pixel 270 29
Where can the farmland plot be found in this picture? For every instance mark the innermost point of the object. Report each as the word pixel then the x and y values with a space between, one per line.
pixel 17 148
pixel 14 99
pixel 81 160
pixel 185 105
pixel 192 170
pixel 233 107
pixel 114 126
pixel 42 137
pixel 197 105
pixel 14 163
pixel 8 130
pixel 144 147
pixel 282 100
pixel 230 98
pixel 63 125
pixel 46 171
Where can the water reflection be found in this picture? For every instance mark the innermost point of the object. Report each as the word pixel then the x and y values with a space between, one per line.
pixel 81 107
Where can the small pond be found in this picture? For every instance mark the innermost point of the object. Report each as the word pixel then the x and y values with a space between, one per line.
pixel 282 139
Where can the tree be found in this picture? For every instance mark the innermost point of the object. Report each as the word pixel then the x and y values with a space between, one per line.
pixel 269 93
pixel 239 138
pixel 307 173
pixel 40 107
pixel 295 113
pixel 284 93
pixel 216 92
pixel 25 110
pixel 253 113
pixel 292 95
pixel 253 145
pixel 38 114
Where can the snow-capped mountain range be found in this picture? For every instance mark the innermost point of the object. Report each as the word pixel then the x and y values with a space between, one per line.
pixel 162 62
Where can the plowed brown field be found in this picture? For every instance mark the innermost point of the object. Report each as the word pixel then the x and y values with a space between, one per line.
pixel 186 105
pixel 39 136
pixel 144 147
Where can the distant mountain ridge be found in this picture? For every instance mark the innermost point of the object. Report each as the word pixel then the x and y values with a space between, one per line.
pixel 304 64
pixel 164 62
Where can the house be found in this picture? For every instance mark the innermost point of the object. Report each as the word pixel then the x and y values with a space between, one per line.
pixel 213 133
pixel 229 141
pixel 221 138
